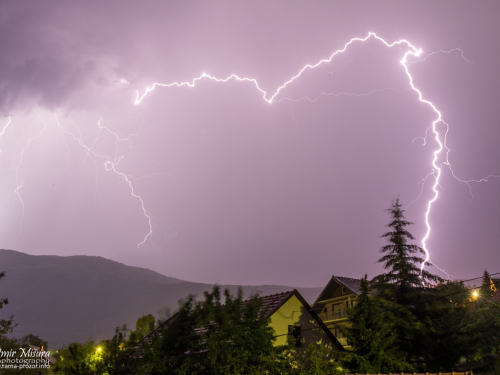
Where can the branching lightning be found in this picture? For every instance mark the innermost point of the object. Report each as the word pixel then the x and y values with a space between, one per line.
pixel 3 130
pixel 110 164
pixel 19 185
pixel 109 161
pixel 441 51
pixel 411 52
pixel 343 93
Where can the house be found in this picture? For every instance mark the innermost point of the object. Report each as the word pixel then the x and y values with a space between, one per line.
pixel 336 298
pixel 289 315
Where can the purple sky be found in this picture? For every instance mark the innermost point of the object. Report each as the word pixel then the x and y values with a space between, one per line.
pixel 239 190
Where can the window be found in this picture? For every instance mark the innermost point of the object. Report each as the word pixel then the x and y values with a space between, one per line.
pixel 343 290
pixel 295 335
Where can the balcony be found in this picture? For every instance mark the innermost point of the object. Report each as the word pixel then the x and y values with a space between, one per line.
pixel 326 317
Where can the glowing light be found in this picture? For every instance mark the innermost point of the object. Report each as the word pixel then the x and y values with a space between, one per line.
pixel 475 294
pixel 413 52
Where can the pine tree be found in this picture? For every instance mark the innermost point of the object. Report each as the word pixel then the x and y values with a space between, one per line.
pixel 406 289
pixel 401 259
pixel 371 335
pixel 488 286
pixel 486 278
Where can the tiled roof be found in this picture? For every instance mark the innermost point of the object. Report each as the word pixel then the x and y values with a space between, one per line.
pixel 328 291
pixel 352 284
pixel 272 302
pixel 269 304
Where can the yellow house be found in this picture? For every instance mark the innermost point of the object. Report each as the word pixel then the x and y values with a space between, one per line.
pixel 291 315
pixel 333 303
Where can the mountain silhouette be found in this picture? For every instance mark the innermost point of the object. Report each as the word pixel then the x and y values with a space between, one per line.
pixel 76 298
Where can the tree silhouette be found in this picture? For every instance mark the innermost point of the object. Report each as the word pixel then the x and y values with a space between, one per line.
pixel 406 289
pixel 401 259
pixel 488 287
pixel 371 335
pixel 6 325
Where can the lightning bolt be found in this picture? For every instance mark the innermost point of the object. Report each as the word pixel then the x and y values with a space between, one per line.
pixel 110 166
pixel 441 51
pixel 412 52
pixel 108 161
pixel 3 130
pixel 19 185
pixel 111 163
pixel 342 93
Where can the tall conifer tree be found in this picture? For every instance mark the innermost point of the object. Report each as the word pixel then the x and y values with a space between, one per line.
pixel 402 259
pixel 488 287
pixel 371 336
pixel 406 289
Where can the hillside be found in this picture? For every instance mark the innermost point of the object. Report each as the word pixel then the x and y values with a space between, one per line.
pixel 76 298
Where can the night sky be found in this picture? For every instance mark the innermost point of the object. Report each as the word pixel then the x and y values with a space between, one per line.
pixel 235 189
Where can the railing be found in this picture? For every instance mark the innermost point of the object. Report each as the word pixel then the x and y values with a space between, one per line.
pixel 333 316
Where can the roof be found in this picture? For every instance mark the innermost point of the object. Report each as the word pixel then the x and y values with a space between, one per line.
pixel 349 283
pixel 273 302
pixel 352 285
pixel 270 304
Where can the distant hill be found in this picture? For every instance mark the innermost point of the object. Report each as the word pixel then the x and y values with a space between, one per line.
pixel 76 298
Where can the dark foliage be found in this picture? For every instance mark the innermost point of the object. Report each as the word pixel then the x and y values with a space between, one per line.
pixel 372 337
pixel 426 322
pixel 77 359
pixel 402 259
pixel 6 325
pixel 211 338
pixel 481 330
pixel 488 288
